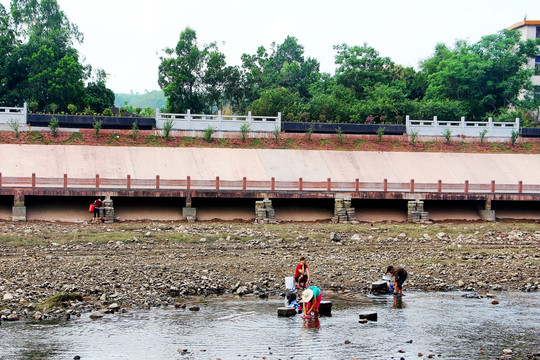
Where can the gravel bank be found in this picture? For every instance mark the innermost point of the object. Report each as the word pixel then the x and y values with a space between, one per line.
pixel 143 264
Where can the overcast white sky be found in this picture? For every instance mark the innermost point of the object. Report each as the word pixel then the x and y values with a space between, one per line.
pixel 126 37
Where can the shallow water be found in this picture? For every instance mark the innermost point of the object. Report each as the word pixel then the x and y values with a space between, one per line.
pixel 233 328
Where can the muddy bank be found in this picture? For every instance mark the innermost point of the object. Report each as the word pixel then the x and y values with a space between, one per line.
pixel 147 264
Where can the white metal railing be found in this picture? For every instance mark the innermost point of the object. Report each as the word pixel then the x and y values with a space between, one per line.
pixel 13 114
pixel 461 127
pixel 219 122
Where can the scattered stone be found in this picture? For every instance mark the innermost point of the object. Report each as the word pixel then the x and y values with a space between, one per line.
pixel 371 316
pixel 335 237
pixel 114 306
pixel 12 317
pixel 460 283
pixel 420 354
pixel 194 308
pixel 347 342
pixel 495 302
pixel 8 297
pixel 286 311
pixel 507 352
pixel 96 315
pixel 363 321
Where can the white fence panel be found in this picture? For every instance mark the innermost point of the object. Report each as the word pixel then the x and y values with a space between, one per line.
pixel 437 127
pixel 13 114
pixel 219 122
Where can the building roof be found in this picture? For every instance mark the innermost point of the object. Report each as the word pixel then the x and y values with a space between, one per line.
pixel 524 23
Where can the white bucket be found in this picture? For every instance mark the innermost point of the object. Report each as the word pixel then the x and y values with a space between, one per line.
pixel 289 282
pixel 387 278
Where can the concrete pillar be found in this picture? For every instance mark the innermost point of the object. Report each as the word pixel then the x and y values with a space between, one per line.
pixel 189 213
pixel 343 211
pixel 264 212
pixel 416 213
pixel 487 214
pixel 18 211
pixel 106 211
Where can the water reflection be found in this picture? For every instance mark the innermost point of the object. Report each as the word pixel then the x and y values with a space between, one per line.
pixel 398 303
pixel 311 323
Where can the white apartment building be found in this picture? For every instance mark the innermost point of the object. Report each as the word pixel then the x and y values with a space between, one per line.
pixel 530 29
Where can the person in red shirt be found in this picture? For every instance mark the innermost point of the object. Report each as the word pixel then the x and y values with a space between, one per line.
pixel 97 204
pixel 301 273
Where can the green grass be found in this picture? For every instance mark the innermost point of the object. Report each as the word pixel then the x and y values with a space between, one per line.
pixel 153 139
pixel 60 300
pixel 114 138
pixel 36 136
pixel 75 137
pixel 256 142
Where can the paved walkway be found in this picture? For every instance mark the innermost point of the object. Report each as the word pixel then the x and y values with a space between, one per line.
pixel 263 164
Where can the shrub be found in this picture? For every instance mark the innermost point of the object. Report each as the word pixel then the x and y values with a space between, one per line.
pixel 482 135
pixel 447 133
pixel 310 130
pixel 276 134
pixel 138 110
pixel 14 125
pixel 107 112
pixel 339 135
pixel 134 130
pixel 514 136
pixel 34 105
pixel 72 109
pixel 167 127
pixel 414 137
pixel 380 133
pixel 244 130
pixel 53 107
pixel 97 127
pixel 88 111
pixel 54 125
pixel 208 132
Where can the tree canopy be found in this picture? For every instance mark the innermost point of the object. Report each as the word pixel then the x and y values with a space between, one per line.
pixel 39 63
pixel 487 78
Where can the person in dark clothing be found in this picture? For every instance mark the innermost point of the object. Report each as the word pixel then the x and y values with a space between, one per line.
pixel 400 275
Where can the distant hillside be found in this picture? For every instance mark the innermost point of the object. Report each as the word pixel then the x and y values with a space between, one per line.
pixel 153 99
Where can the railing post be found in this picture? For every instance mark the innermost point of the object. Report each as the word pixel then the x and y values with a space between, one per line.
pixel 188 183
pixel 157 181
pixel 217 182
pixel 492 186
pixel 273 185
pixel 385 185
pixel 33 180
pixel 128 182
pixel 244 183
pixel 520 187
pixel 412 185
pixel 356 185
pixel 329 184
pixel 65 181
pixel 0 179
pixel 300 184
pixel 97 181
pixel 439 186
pixel 466 186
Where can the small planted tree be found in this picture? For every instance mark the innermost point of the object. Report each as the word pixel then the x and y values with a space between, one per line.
pixel 310 130
pixel 33 105
pixel 447 133
pixel 514 137
pixel 14 125
pixel 107 112
pixel 339 135
pixel 53 108
pixel 483 135
pixel 72 109
pixel 208 132
pixel 167 127
pixel 244 130
pixel 276 133
pixel 97 127
pixel 134 130
pixel 380 133
pixel 53 126
pixel 414 137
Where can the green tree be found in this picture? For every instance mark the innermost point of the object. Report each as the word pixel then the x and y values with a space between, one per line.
pixel 181 73
pixel 486 77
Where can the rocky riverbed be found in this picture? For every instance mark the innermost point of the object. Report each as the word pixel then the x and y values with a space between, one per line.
pixel 108 268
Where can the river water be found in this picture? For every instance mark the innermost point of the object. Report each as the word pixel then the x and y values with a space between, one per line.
pixel 444 324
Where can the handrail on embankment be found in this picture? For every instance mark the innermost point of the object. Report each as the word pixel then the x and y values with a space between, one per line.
pixel 188 183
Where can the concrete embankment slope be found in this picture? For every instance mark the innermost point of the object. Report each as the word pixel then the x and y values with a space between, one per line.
pixel 263 164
